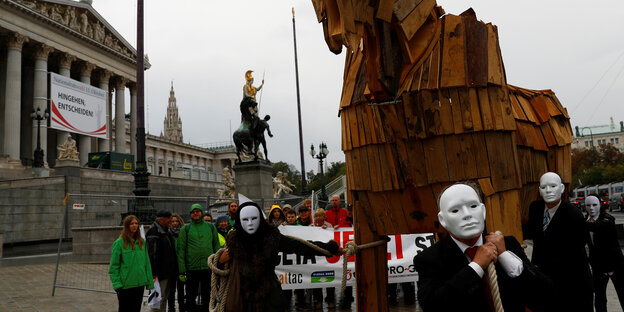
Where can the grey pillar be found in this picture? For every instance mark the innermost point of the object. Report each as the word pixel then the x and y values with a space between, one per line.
pixel 104 77
pixel 84 141
pixel 64 70
pixel 120 115
pixel 133 121
pixel 40 97
pixel 12 111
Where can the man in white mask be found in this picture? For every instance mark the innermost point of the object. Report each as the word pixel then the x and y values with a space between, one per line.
pixel 559 237
pixel 605 254
pixel 453 272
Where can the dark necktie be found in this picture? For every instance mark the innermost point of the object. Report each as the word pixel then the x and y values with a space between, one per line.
pixel 471 252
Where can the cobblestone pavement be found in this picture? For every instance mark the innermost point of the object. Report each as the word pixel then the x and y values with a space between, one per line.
pixel 29 288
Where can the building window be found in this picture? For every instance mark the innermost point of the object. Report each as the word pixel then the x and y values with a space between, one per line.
pixel 160 170
pixel 617 140
pixel 586 143
pixel 169 173
pixel 611 140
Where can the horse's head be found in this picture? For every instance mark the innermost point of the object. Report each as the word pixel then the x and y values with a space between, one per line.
pixel 390 34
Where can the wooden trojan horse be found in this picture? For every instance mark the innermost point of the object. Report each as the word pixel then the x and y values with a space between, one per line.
pixel 425 103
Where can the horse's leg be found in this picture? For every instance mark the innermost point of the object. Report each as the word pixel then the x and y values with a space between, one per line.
pixel 266 154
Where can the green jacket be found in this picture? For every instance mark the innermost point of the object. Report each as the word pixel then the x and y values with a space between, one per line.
pixel 129 267
pixel 196 242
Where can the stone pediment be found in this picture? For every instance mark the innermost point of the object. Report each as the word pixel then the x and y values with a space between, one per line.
pixel 82 20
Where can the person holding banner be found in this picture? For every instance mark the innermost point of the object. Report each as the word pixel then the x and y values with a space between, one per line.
pixel 253 249
pixel 337 217
pixel 453 272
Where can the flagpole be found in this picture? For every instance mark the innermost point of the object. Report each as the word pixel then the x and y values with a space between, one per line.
pixel 303 172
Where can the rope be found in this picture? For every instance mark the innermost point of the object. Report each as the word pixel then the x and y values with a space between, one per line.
pixel 493 279
pixel 351 249
pixel 218 295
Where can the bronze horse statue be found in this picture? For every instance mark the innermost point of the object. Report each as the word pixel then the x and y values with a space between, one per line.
pixel 425 103
pixel 250 134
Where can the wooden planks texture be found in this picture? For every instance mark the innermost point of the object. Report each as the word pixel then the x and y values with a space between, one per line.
pixel 445 114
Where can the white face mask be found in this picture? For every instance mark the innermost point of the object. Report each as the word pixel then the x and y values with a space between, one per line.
pixel 250 219
pixel 461 212
pixel 551 187
pixel 592 205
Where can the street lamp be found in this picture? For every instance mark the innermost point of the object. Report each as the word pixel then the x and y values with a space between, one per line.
pixel 323 151
pixel 38 155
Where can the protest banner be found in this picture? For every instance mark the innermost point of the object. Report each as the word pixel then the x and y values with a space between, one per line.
pixel 300 272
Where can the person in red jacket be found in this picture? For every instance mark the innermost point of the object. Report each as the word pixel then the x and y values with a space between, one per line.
pixel 335 215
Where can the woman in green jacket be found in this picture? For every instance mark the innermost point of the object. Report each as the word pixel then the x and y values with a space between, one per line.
pixel 130 269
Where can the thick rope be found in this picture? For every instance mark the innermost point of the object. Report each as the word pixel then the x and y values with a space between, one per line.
pixel 351 248
pixel 218 295
pixel 493 279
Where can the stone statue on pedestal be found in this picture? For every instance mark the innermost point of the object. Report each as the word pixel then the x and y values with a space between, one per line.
pixel 281 185
pixel 250 134
pixel 68 150
pixel 228 181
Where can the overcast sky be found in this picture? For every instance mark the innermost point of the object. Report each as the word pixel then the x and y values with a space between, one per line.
pixel 573 47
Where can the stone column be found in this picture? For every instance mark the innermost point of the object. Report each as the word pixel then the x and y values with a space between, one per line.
pixel 84 142
pixel 40 97
pixel 155 173
pixel 65 62
pixel 133 121
pixel 104 75
pixel 120 115
pixel 12 111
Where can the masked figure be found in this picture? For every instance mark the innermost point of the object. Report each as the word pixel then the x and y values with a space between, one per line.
pixel 452 272
pixel 559 237
pixel 252 248
pixel 605 254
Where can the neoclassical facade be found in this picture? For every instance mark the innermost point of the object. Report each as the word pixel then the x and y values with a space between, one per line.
pixel 71 39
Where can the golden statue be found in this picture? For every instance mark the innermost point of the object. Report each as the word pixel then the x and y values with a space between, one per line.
pixel 248 89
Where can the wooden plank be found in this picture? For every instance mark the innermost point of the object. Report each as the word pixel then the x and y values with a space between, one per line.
pixel 418 172
pixel 413 115
pixel 384 10
pixel 502 158
pixel 468 156
pixel 476 52
pixel 567 164
pixel 402 8
pixel 353 127
pixel 370 124
pixel 528 109
pixel 497 109
pixel 466 109
pixel 550 105
pixel 548 135
pixel 424 215
pixel 504 213
pixel 375 168
pixel 417 76
pixel 495 66
pixel 454 158
pixel 385 170
pixel 559 133
pixel 362 129
pixel 423 40
pixel 350 163
pixel 446 113
pixel 379 129
pixel 435 159
pixel 517 109
pixel 486 110
pixel 346 132
pixel 453 68
pixel 364 168
pixel 349 83
pixel 426 67
pixel 431 111
pixel 481 154
pixel 540 109
pixel 539 143
pixel 456 110
pixel 475 112
pixel 502 96
pixel 393 167
pixel 434 67
pixel 486 187
pixel 417 18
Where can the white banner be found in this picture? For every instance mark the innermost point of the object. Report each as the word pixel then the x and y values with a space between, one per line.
pixel 299 272
pixel 77 107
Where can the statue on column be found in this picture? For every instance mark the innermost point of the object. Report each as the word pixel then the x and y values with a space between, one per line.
pixel 250 133
pixel 68 150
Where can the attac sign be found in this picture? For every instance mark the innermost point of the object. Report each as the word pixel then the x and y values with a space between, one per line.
pixel 300 272
pixel 77 107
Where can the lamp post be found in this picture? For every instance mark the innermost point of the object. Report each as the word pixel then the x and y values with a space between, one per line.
pixel 38 154
pixel 323 151
pixel 591 143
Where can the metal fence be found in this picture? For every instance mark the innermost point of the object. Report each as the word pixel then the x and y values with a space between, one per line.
pixel 92 222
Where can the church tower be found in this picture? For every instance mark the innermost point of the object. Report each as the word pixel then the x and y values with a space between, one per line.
pixel 173 123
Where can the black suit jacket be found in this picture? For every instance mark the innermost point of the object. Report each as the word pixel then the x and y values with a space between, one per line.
pixel 447 283
pixel 560 253
pixel 605 254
